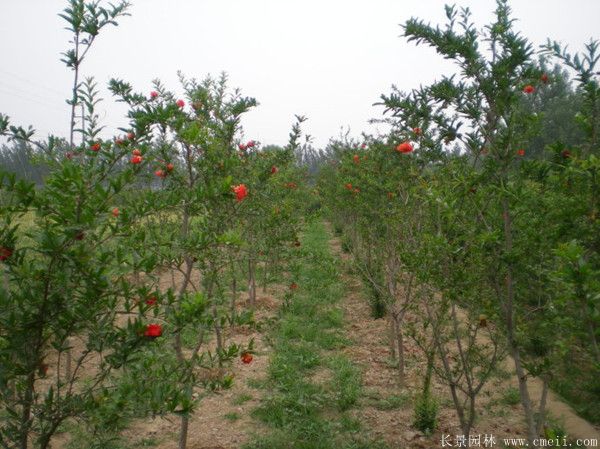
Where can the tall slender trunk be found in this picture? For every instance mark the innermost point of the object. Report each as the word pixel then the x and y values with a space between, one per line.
pixel 233 293
pixel 75 96
pixel 510 327
pixel 392 336
pixel 400 348
pixel 183 432
pixel 542 408
pixel 26 412
pixel 251 280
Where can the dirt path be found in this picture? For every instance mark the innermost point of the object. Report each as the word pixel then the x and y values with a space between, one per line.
pixel 388 410
pixel 575 426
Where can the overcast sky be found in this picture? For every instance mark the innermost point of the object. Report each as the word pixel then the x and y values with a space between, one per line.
pixel 327 59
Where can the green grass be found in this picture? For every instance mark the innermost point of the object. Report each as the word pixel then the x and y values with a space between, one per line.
pixel 511 396
pixel 233 416
pixel 303 409
pixel 392 402
pixel 241 399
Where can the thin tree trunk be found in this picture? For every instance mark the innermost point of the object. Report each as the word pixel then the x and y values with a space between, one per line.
pixel 510 326
pixel 400 348
pixel 183 432
pixel 251 280
pixel 392 336
pixel 233 293
pixel 542 409
pixel 26 412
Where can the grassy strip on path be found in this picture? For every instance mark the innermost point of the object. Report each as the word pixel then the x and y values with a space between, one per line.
pixel 311 387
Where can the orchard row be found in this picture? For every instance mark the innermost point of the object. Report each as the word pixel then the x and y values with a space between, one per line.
pixel 461 221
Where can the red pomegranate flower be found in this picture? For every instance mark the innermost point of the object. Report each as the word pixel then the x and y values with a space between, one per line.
pixel 153 330
pixel 417 131
pixel 529 89
pixel 95 147
pixel 348 186
pixel 356 159
pixel 246 358
pixel 242 146
pixel 136 152
pixel 180 103
pixel 153 94
pixel 170 167
pixel 115 212
pixel 544 78
pixel 5 253
pixel 363 146
pixel 250 144
pixel 241 191
pixel 405 148
pixel 130 136
pixel 521 152
pixel 274 170
pixel 160 173
pixel 566 154
pixel 136 160
pixel 151 300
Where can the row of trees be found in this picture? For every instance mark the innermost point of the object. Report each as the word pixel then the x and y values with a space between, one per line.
pixel 88 329
pixel 478 214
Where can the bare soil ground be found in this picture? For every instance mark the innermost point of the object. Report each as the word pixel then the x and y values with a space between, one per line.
pixel 223 420
pixel 394 425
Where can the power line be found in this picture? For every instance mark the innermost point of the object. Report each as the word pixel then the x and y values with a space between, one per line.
pixel 29 81
pixel 28 92
pixel 32 100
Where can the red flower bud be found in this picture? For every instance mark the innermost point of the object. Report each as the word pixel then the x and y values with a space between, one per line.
pixel 5 253
pixel 417 131
pixel 170 167
pixel 246 358
pixel 241 191
pixel 153 330
pixel 405 148
pixel 250 144
pixel 115 212
pixel 544 78
pixel 153 94
pixel 180 103
pixel 160 173
pixel 529 89
pixel 242 146
pixel 136 160
pixel 136 152
pixel 95 147
pixel 274 170
pixel 356 159
pixel 521 152
pixel 130 136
